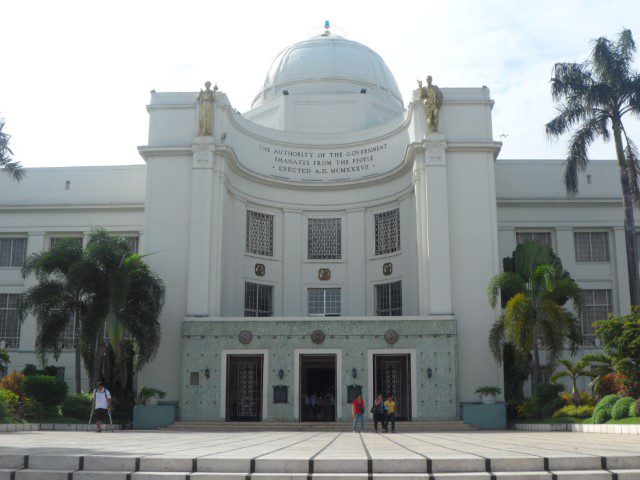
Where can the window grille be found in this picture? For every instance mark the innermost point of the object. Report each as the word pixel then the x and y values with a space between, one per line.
pixel 324 302
pixel 9 323
pixel 53 241
pixel 133 242
pixel 387 226
pixel 591 246
pixel 597 306
pixel 543 238
pixel 324 240
pixel 13 251
pixel 68 336
pixel 258 300
pixel 389 299
pixel 259 239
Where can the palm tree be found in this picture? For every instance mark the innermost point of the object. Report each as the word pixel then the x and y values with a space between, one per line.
pixel 594 97
pixel 128 297
pixel 601 365
pixel 60 294
pixel 535 312
pixel 7 165
pixel 110 288
pixel 573 371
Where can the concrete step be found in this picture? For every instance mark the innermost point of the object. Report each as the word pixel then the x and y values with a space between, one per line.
pixel 448 426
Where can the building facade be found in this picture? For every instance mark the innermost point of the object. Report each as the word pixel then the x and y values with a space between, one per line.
pixel 323 243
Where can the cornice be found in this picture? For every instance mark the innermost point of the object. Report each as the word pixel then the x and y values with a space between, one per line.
pixel 74 206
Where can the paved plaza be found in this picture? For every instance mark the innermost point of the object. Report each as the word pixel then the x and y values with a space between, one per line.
pixel 305 455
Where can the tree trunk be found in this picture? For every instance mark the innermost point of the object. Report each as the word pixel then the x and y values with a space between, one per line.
pixel 78 357
pixel 536 364
pixel 629 220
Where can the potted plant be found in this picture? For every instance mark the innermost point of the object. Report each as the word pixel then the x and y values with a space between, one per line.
pixel 150 396
pixel 488 394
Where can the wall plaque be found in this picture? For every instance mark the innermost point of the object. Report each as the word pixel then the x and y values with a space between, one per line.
pixel 260 269
pixel 352 392
pixel 324 274
pixel 387 268
pixel 280 394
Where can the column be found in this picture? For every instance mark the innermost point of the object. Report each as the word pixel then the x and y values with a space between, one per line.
pixel 419 189
pixel 35 244
pixel 200 227
pixel 216 233
pixel 621 272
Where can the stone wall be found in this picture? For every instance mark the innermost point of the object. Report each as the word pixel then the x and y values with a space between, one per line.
pixel 430 342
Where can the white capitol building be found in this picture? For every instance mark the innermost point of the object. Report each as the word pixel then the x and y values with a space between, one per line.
pixel 363 242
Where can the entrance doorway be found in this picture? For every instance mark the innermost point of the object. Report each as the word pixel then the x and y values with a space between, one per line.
pixel 317 388
pixel 392 376
pixel 244 388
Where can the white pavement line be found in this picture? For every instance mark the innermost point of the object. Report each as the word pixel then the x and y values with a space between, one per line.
pixel 312 458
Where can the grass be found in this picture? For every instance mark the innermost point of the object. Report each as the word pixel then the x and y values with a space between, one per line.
pixel 624 421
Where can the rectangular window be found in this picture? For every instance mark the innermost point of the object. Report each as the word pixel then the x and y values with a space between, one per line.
pixel 133 242
pixel 389 299
pixel 54 240
pixel 13 251
pixel 597 306
pixel 9 323
pixel 387 226
pixel 543 238
pixel 591 246
pixel 259 240
pixel 324 239
pixel 324 302
pixel 258 300
pixel 69 334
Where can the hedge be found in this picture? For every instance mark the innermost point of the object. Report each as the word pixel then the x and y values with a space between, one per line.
pixel 603 409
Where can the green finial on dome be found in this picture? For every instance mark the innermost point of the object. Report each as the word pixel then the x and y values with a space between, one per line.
pixel 326 32
pixel 326 24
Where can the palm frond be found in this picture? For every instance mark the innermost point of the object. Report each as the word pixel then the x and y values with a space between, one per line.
pixel 504 280
pixel 496 339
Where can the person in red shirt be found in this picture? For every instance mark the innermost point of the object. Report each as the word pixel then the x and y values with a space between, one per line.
pixel 358 412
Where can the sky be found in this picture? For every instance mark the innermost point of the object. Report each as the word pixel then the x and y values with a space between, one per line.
pixel 75 76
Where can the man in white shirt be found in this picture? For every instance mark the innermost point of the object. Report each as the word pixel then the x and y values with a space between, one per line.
pixel 101 405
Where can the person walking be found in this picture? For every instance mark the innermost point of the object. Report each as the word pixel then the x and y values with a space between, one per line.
pixel 390 408
pixel 378 412
pixel 101 405
pixel 358 412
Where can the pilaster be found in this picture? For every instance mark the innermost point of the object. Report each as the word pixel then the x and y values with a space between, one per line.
pixel 200 226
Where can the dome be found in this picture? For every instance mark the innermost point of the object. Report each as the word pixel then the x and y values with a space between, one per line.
pixel 329 63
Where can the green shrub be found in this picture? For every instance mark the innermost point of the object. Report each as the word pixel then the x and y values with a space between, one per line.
pixel 4 410
pixel 545 392
pixel 551 407
pixel 526 409
pixel 621 409
pixel 45 390
pixel 602 412
pixel 582 411
pixel 10 399
pixel 634 409
pixel 77 405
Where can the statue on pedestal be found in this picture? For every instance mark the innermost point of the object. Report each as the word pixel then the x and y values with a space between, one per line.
pixel 431 97
pixel 205 99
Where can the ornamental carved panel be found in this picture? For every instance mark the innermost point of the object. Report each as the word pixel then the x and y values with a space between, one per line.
pixel 387 268
pixel 324 274
pixel 260 269
pixel 317 337
pixel 391 337
pixel 245 337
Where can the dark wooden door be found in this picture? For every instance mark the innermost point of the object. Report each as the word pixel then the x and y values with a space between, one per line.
pixel 393 377
pixel 244 388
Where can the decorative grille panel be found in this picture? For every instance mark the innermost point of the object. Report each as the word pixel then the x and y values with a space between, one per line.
pixel 259 233
pixel 325 302
pixel 9 323
pixel 248 391
pixel 324 238
pixel 389 299
pixel 13 251
pixel 591 246
pixel 597 306
pixel 543 238
pixel 392 380
pixel 387 232
pixel 258 300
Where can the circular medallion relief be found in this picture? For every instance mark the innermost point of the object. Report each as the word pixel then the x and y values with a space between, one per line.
pixel 317 337
pixel 245 337
pixel 391 337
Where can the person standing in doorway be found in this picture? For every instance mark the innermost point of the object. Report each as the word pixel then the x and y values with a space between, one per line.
pixel 101 405
pixel 313 401
pixel 390 408
pixel 378 412
pixel 358 412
